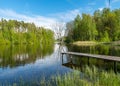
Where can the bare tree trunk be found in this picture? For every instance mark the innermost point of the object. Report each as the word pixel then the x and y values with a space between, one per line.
pixel 59 29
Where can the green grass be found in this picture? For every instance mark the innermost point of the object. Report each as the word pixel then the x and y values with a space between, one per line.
pixel 85 43
pixel 91 77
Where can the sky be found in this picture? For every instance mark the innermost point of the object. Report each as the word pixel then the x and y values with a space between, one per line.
pixel 47 12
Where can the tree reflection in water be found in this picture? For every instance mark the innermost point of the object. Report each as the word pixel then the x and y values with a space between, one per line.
pixel 81 62
pixel 15 55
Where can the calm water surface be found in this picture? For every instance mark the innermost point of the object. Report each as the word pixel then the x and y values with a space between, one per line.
pixel 32 63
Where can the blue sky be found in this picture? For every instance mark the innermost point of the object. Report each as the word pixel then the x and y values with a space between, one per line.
pixel 47 12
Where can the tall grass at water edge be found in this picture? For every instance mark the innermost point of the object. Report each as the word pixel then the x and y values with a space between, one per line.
pixel 91 77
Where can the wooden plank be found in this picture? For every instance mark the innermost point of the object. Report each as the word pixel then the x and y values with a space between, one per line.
pixel 112 58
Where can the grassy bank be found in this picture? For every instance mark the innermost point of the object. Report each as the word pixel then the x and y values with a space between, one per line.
pixel 91 43
pixel 115 43
pixel 85 43
pixel 91 77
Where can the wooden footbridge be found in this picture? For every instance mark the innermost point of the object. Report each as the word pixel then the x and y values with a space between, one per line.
pixel 105 57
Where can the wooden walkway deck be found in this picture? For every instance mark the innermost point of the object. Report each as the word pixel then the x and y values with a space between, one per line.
pixel 105 57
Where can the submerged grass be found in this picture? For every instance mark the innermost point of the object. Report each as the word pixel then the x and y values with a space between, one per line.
pixel 90 77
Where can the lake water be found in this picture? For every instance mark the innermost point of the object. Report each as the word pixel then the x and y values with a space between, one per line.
pixel 29 64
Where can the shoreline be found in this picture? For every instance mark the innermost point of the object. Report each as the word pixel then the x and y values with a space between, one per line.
pixel 92 43
pixel 85 43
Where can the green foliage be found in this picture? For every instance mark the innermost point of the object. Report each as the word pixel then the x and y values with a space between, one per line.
pixel 23 54
pixel 68 39
pixel 16 32
pixel 91 77
pixel 105 37
pixel 102 26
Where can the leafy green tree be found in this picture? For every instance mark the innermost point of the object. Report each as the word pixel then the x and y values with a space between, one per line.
pixel 69 32
pixel 76 32
pixel 88 26
pixel 19 32
pixel 102 26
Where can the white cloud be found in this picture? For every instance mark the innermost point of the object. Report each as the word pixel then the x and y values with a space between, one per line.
pixel 47 22
pixel 70 15
pixel 38 20
pixel 101 8
pixel 67 16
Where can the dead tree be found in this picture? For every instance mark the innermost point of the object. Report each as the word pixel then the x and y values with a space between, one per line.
pixel 59 29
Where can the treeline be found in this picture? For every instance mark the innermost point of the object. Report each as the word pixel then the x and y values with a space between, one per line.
pixel 101 26
pixel 19 32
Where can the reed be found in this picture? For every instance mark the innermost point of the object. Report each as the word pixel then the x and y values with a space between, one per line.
pixel 90 77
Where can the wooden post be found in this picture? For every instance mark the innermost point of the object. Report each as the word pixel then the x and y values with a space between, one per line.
pixel 88 61
pixel 62 58
pixel 115 67
pixel 70 58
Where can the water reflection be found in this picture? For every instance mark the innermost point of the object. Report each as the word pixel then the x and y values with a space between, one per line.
pixel 81 62
pixel 13 56
pixel 31 63
pixel 97 49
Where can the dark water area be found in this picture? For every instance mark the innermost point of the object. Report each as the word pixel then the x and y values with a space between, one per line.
pixel 32 63
pixel 81 62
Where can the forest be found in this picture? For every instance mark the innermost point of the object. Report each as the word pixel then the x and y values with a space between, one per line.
pixel 102 26
pixel 19 32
